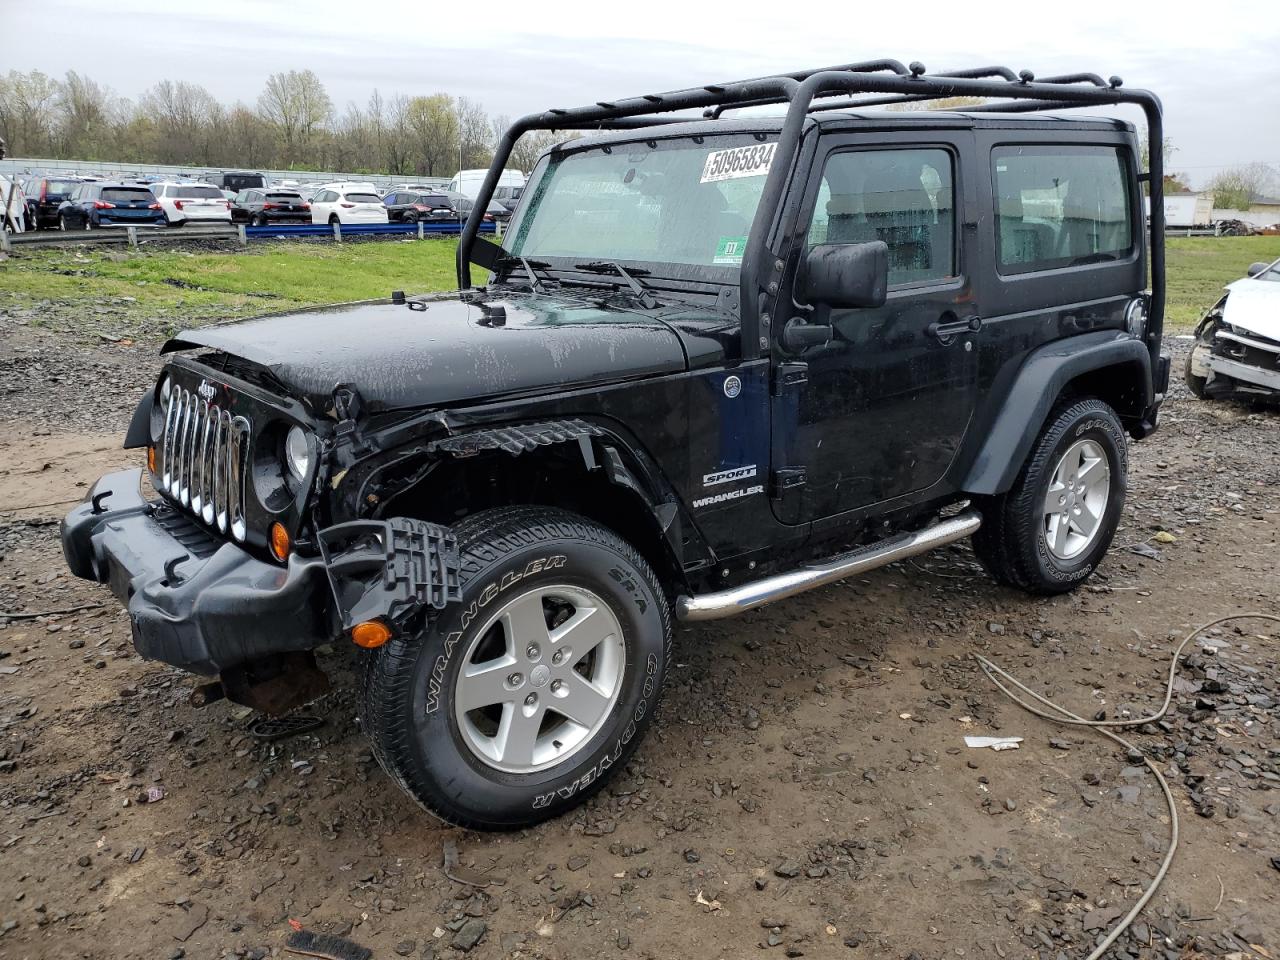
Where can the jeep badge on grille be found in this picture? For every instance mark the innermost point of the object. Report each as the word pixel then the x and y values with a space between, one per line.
pixel 205 390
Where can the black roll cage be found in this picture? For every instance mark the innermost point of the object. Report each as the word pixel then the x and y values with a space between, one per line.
pixel 893 83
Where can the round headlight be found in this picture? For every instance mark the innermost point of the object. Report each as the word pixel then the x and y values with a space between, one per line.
pixel 1135 317
pixel 297 453
pixel 166 388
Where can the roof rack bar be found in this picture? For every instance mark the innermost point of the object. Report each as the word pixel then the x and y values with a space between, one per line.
pixel 765 242
pixel 867 66
pixel 1025 77
pixel 1092 78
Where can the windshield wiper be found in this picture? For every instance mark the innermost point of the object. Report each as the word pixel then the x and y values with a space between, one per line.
pixel 535 283
pixel 601 266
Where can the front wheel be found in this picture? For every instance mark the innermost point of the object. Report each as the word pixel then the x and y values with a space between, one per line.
pixel 518 703
pixel 1196 371
pixel 1051 530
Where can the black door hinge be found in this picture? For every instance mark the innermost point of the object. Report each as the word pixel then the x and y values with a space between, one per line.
pixel 789 377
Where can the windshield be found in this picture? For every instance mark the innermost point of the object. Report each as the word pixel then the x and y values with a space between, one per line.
pixel 197 193
pixel 126 194
pixel 1271 273
pixel 675 201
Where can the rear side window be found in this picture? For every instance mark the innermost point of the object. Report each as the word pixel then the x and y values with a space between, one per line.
pixel 904 197
pixel 1060 206
pixel 126 194
pixel 60 188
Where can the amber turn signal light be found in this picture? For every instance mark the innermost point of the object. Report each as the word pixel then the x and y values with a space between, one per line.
pixel 151 459
pixel 370 634
pixel 280 542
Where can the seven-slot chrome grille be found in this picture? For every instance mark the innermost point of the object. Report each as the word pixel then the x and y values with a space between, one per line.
pixel 204 452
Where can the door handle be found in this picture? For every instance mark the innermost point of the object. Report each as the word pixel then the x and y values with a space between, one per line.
pixel 945 330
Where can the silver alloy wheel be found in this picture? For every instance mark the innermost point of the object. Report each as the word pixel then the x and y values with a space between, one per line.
pixel 540 678
pixel 1077 499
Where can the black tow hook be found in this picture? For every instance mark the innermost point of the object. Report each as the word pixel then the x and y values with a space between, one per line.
pixel 171 576
pixel 97 502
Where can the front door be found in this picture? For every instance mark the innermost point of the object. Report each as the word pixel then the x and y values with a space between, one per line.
pixel 881 409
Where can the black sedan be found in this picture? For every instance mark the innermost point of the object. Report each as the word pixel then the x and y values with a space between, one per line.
pixel 259 207
pixel 44 196
pixel 110 205
pixel 410 206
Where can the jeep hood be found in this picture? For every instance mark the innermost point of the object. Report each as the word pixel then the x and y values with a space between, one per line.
pixel 1254 305
pixel 448 349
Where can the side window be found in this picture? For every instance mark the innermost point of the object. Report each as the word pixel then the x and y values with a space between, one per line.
pixel 904 197
pixel 1057 206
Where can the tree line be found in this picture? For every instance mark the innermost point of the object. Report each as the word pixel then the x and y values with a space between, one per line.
pixel 293 125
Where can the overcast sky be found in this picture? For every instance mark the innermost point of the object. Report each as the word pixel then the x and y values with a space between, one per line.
pixel 1216 66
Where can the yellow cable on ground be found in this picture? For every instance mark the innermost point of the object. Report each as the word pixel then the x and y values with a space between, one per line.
pixel 1067 717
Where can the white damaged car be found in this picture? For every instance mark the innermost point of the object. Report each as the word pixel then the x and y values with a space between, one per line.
pixel 1237 346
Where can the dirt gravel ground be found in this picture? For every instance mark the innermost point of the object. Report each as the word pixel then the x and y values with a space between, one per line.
pixel 805 792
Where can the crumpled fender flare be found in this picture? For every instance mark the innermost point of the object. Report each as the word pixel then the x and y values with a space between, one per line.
pixel 1033 393
pixel 139 432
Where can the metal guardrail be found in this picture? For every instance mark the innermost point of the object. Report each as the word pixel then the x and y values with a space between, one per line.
pixel 239 233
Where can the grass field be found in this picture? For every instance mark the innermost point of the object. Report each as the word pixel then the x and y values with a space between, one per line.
pixel 155 293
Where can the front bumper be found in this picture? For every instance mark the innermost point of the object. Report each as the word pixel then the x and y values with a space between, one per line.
pixel 1258 376
pixel 194 601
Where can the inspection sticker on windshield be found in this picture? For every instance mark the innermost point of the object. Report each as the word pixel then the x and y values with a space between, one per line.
pixel 729 250
pixel 738 162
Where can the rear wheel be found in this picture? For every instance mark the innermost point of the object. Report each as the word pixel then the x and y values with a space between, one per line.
pixel 518 703
pixel 333 218
pixel 62 222
pixel 1051 530
pixel 411 217
pixel 260 220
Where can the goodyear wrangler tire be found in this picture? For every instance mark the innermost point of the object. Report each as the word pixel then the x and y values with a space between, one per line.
pixel 1050 531
pixel 519 702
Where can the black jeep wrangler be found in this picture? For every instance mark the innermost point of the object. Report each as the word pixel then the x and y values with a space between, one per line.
pixel 716 362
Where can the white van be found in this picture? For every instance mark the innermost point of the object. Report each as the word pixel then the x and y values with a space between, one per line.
pixel 467 182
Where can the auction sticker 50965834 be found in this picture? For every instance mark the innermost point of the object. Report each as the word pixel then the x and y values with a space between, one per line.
pixel 753 161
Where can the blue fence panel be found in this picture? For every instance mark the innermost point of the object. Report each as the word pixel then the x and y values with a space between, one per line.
pixel 354 229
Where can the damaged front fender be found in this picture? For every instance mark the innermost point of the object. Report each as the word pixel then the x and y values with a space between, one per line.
pixel 390 569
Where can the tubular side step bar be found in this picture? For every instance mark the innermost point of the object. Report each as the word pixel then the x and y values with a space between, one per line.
pixel 727 603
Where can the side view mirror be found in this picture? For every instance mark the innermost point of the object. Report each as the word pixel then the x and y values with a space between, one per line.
pixel 846 274
pixel 1257 268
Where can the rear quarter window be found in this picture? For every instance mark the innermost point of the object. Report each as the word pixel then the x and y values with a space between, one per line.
pixel 1061 206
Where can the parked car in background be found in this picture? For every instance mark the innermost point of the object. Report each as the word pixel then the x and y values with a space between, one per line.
pixel 261 207
pixel 348 203
pixel 410 206
pixel 44 195
pixel 463 204
pixel 13 205
pixel 184 203
pixel 237 180
pixel 1237 348
pixel 508 197
pixel 107 204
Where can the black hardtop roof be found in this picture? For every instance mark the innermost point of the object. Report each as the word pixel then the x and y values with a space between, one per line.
pixel 857 120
